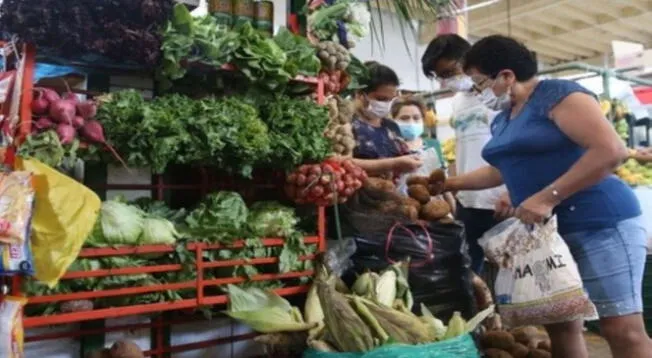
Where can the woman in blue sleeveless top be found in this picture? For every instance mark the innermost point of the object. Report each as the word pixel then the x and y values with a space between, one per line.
pixel 555 152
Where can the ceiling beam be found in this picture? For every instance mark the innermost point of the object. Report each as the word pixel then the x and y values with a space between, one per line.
pixel 486 18
pixel 555 54
pixel 583 27
pixel 582 42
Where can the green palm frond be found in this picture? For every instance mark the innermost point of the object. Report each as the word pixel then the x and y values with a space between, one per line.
pixel 407 11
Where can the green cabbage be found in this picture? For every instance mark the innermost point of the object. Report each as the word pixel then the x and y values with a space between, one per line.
pixel 271 219
pixel 121 224
pixel 158 231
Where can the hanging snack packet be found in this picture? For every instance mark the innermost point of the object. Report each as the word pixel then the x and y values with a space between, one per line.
pixel 16 259
pixel 11 327
pixel 16 204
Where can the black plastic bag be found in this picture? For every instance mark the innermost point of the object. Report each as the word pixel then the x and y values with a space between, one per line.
pixel 439 276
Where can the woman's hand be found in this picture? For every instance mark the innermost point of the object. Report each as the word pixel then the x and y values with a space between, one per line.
pixel 503 207
pixel 407 163
pixel 536 209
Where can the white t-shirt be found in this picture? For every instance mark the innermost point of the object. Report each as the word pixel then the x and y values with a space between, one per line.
pixel 471 120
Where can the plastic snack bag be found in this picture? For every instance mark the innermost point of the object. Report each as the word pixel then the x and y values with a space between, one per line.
pixel 538 281
pixel 16 259
pixel 16 204
pixel 11 327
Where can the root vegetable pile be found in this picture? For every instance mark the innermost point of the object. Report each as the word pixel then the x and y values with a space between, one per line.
pixel 68 117
pixel 423 201
pixel 333 56
pixel 324 184
pixel 522 342
pixel 335 60
pixel 339 130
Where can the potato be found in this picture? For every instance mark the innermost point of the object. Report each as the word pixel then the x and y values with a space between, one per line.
pixel 415 179
pixel 545 345
pixel 534 342
pixel 539 353
pixel 410 212
pixel 420 193
pixel 525 334
pixel 412 202
pixel 496 353
pixel 498 339
pixel 482 294
pixel 436 189
pixel 519 351
pixel 379 184
pixel 434 210
pixel 437 176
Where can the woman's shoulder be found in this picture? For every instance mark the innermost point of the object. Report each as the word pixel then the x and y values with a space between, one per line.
pixel 550 92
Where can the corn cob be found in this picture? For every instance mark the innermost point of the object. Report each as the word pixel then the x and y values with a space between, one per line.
pixel 369 318
pixel 456 326
pixel 386 288
pixel 363 285
pixel 313 311
pixel 349 332
pixel 401 327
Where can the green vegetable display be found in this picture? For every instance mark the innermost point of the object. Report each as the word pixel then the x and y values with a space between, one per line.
pixel 268 62
pixel 222 217
pixel 47 148
pixel 226 133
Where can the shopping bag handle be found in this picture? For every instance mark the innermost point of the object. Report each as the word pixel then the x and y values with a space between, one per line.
pixel 429 255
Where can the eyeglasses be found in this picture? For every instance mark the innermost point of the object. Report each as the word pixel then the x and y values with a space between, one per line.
pixel 447 73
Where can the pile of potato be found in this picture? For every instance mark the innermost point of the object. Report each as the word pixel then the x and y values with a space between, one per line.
pixel 339 130
pixel 422 203
pixel 523 342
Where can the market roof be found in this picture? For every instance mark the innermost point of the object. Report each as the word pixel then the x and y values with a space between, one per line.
pixel 564 30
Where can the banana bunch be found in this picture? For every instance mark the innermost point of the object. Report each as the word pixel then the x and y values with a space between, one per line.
pixel 620 110
pixel 448 149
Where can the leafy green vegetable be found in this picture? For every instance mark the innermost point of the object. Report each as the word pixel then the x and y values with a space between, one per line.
pixel 177 129
pixel 271 219
pixel 296 128
pixel 158 231
pixel 220 217
pixel 301 56
pixel 47 148
pixel 121 223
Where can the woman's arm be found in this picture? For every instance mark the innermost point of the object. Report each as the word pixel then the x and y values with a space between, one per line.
pixel 479 179
pixel 405 163
pixel 579 116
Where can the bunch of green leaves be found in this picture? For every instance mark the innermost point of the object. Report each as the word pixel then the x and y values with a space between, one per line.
pixel 301 56
pixel 47 148
pixel 177 129
pixel 359 75
pixel 260 58
pixel 220 217
pixel 296 128
pixel 192 39
pixel 227 133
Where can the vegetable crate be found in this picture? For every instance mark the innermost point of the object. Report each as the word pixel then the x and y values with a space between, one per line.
pixel 150 279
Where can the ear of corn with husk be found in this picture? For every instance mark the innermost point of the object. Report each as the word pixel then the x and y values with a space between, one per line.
pixel 348 331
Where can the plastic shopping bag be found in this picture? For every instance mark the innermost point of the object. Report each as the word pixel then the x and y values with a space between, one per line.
pixel 538 281
pixel 430 160
pixel 11 329
pixel 64 214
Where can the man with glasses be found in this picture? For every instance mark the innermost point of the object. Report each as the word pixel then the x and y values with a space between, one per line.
pixel 471 118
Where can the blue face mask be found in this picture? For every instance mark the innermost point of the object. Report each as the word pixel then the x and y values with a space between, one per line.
pixel 411 131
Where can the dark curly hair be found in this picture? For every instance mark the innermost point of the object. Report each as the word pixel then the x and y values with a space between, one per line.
pixel 379 75
pixel 495 53
pixel 443 47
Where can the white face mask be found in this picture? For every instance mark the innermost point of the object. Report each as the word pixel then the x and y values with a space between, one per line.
pixel 494 102
pixel 460 83
pixel 379 109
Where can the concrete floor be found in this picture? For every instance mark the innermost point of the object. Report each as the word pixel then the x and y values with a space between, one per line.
pixel 598 347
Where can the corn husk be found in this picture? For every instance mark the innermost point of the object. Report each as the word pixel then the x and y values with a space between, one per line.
pixel 402 286
pixel 363 285
pixel 321 346
pixel 386 288
pixel 401 327
pixel 347 330
pixel 456 326
pixel 313 312
pixel 438 327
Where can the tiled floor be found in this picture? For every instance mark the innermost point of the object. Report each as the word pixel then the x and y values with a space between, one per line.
pixel 598 347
